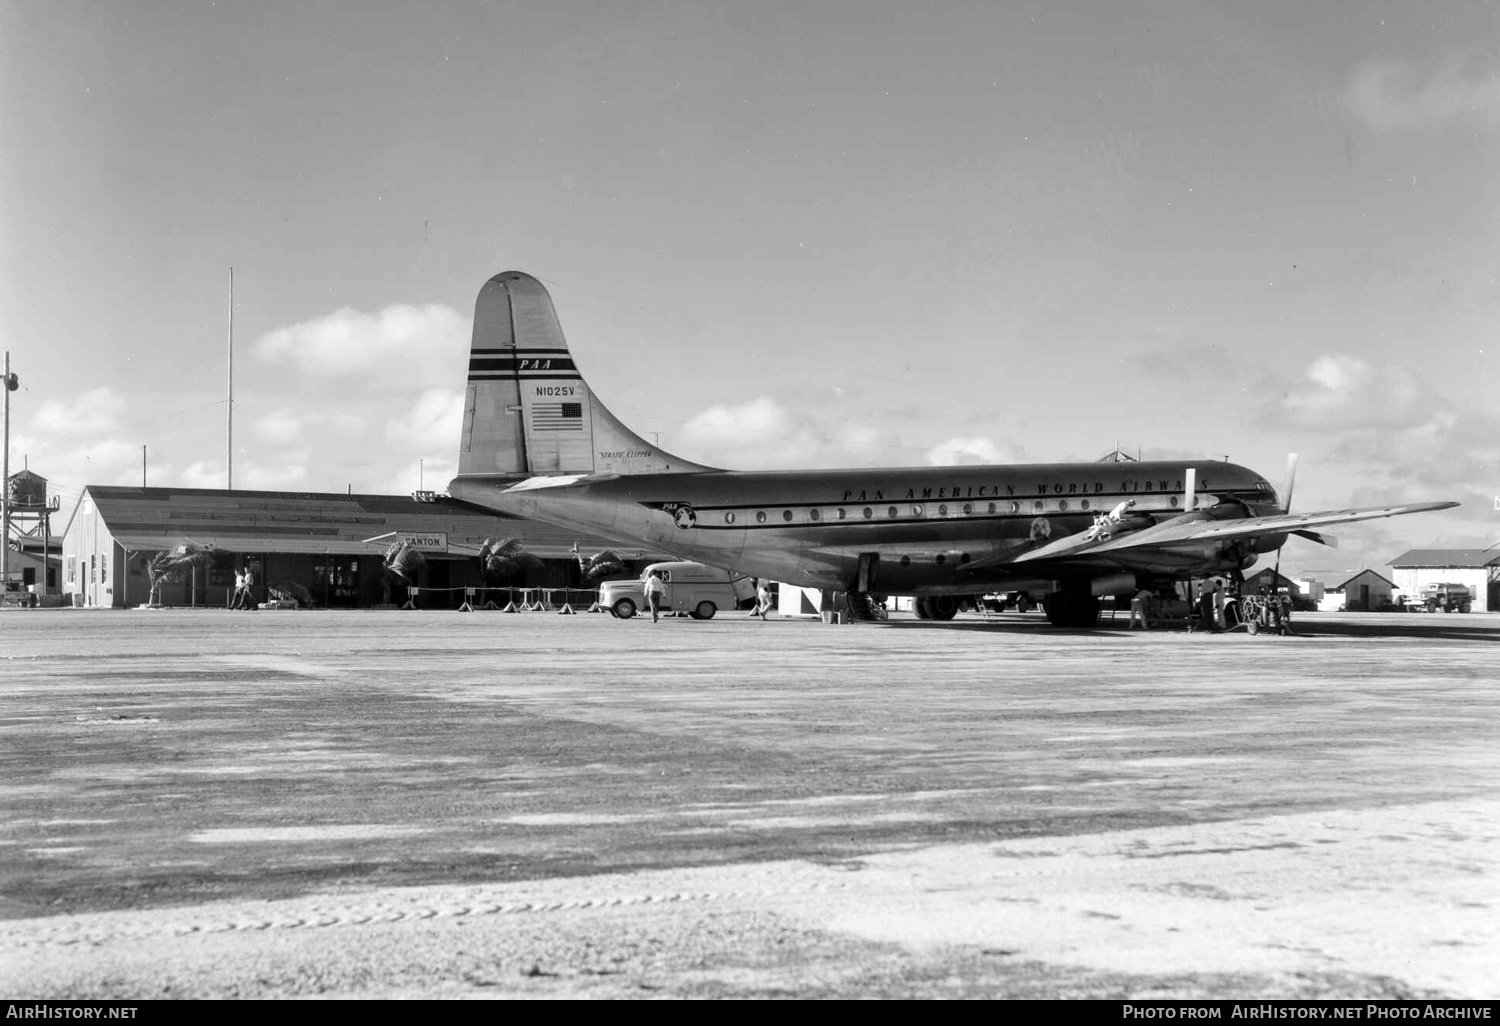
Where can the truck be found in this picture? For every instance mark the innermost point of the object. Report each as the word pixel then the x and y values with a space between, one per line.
pixel 695 589
pixel 1447 597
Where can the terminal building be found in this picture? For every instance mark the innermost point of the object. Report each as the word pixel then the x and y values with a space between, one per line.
pixel 330 544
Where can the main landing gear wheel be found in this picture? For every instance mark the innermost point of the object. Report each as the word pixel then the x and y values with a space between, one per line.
pixel 936 607
pixel 1075 607
pixel 943 607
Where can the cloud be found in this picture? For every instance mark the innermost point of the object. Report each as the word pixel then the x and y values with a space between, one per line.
pixel 432 475
pixel 279 427
pixel 271 477
pixel 94 412
pixel 288 427
pixel 971 451
pixel 1344 392
pixel 1392 95
pixel 432 425
pixel 763 434
pixel 1190 361
pixel 403 343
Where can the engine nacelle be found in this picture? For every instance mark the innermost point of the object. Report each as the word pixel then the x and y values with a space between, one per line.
pixel 1112 584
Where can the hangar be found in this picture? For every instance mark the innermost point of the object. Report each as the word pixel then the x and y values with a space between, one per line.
pixel 1477 569
pixel 332 544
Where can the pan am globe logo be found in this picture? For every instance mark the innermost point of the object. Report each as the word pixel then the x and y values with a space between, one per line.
pixel 682 513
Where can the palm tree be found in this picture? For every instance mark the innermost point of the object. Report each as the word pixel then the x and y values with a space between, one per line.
pixel 404 561
pixel 505 558
pixel 165 567
pixel 601 564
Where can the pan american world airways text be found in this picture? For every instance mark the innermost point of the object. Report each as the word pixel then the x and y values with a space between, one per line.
pixel 1250 1010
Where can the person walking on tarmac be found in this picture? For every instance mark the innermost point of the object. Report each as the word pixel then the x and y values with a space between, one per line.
pixel 762 598
pixel 656 591
pixel 239 590
pixel 249 591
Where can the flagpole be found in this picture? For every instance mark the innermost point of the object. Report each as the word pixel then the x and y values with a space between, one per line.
pixel 229 429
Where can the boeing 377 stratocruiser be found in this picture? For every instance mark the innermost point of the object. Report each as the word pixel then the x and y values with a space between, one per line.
pixel 537 443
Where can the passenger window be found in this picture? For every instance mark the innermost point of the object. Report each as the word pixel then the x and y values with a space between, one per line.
pixel 760 517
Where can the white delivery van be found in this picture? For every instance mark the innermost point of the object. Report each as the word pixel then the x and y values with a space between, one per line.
pixel 692 588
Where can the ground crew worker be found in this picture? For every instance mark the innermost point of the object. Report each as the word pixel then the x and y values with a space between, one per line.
pixel 1140 608
pixel 656 590
pixel 762 598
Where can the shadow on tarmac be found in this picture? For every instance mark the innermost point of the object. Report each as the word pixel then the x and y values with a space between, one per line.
pixel 1485 629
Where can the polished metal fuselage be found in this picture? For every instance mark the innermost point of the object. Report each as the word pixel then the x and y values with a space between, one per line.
pixel 920 528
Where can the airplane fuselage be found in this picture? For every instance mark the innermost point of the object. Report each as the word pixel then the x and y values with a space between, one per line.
pixel 926 525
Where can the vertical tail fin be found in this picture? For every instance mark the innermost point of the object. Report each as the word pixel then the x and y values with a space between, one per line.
pixel 527 410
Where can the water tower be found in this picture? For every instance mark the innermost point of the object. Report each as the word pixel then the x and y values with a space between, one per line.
pixel 30 520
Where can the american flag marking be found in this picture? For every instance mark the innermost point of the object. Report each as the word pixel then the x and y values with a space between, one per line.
pixel 557 416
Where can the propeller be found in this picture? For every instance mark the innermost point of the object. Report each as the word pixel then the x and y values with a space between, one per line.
pixel 1191 478
pixel 1291 482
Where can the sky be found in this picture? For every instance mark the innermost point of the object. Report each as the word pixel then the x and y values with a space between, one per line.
pixel 777 235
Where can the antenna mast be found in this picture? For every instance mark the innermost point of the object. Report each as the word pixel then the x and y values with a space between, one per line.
pixel 229 429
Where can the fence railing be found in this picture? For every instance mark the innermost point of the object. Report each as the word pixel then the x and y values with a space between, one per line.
pixel 565 601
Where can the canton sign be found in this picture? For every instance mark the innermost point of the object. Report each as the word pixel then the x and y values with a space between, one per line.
pixel 427 542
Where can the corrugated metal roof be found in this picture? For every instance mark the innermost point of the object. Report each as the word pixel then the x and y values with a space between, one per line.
pixel 1448 558
pixel 317 522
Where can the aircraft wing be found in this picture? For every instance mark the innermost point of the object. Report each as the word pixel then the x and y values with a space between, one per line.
pixel 1175 533
pixel 1192 530
pixel 1187 531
